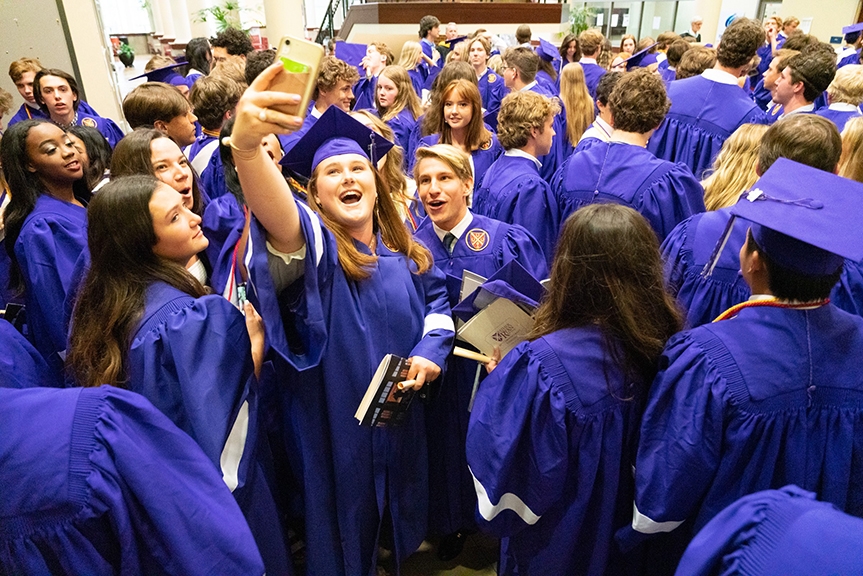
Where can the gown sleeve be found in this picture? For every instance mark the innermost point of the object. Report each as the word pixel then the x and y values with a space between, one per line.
pixel 681 438
pixel 196 367
pixel 519 245
pixel 534 207
pixel 21 366
pixel 179 512
pixel 222 223
pixel 438 327
pixel 672 199
pixel 675 258
pixel 517 444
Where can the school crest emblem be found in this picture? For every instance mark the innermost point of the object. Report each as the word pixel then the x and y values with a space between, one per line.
pixel 88 122
pixel 492 78
pixel 477 239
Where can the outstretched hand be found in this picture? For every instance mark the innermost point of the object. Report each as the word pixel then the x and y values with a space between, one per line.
pixel 255 115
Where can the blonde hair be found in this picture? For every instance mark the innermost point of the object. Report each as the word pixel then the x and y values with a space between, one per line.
pixel 576 101
pixel 406 97
pixel 455 158
pixel 734 168
pixel 158 61
pixel 496 63
pixel 851 161
pixel 387 220
pixel 233 68
pixel 847 85
pixel 410 56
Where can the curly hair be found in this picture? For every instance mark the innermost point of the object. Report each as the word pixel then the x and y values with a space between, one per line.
pixel 519 113
pixel 21 66
pixel 331 72
pixel 211 97
pixel 234 41
pixel 638 102
pixel 739 43
pixel 257 62
pixel 815 66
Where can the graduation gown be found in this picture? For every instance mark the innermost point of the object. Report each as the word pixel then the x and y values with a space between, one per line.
pixel 26 113
pixel 703 114
pixel 492 90
pixel 105 126
pixel 481 158
pixel 839 117
pixel 402 124
pixel 200 151
pixel 849 55
pixel 21 366
pixel 96 481
pixel 663 192
pixel 365 93
pixel 771 532
pixel 330 333
pixel 688 249
pixel 223 223
pixel 512 191
pixel 550 445
pixel 768 398
pixel 191 357
pixel 593 73
pixel 52 239
pixel 494 244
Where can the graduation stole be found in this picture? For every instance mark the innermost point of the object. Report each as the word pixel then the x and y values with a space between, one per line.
pixel 772 302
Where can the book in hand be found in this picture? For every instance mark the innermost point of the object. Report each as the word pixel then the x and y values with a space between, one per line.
pixel 503 323
pixel 384 404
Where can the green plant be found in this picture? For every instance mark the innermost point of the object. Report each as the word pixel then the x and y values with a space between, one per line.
pixel 579 18
pixel 225 15
pixel 125 49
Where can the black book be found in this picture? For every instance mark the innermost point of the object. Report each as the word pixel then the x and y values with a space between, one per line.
pixel 384 403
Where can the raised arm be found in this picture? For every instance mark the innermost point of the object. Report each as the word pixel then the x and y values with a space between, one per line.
pixel 266 191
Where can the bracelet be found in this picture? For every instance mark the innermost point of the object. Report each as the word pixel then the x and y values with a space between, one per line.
pixel 242 153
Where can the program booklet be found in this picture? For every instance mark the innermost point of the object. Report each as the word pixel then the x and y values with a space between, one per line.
pixel 503 323
pixel 384 404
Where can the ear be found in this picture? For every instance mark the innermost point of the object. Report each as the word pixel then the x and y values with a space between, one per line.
pixel 161 126
pixel 31 168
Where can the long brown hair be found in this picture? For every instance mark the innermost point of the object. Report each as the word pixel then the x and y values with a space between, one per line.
pixel 607 272
pixel 406 97
pixel 121 238
pixel 132 156
pixel 450 72
pixel 387 220
pixel 477 135
pixel 576 100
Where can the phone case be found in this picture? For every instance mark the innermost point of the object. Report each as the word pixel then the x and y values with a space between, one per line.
pixel 300 60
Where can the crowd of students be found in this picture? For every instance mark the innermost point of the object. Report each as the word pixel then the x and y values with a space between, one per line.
pixel 215 290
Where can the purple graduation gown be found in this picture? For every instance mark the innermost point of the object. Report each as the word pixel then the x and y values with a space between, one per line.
pixel 550 445
pixel 784 531
pixel 105 126
pixel 688 249
pixel 212 179
pixel 365 93
pixel 492 90
pixel 402 124
pixel 52 239
pixel 514 192
pixel 839 117
pixel 703 114
pixel 593 73
pixel 451 496
pixel 21 366
pixel 26 113
pixel 96 481
pixel 223 224
pixel 770 397
pixel 330 333
pixel 191 357
pixel 663 192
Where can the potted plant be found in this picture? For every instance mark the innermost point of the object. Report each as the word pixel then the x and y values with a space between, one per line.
pixel 126 54
pixel 579 19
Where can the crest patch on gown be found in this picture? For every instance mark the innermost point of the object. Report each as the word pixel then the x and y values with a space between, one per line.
pixel 477 239
pixel 492 78
pixel 88 122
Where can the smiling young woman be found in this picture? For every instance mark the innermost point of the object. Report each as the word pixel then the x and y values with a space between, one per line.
pixel 397 103
pixel 46 223
pixel 340 284
pixel 143 322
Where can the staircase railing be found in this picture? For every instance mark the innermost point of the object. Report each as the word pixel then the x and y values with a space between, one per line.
pixel 328 25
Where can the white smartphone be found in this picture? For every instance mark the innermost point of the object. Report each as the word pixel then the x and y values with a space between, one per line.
pixel 301 61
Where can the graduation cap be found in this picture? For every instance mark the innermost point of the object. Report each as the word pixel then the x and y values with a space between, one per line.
pixel 853 28
pixel 449 44
pixel 637 59
pixel 167 74
pixel 335 133
pixel 512 282
pixel 547 51
pixel 803 218
pixel 353 54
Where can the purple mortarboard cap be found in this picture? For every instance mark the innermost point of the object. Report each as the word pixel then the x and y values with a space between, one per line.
pixel 852 28
pixel 803 218
pixel 450 43
pixel 335 133
pixel 547 51
pixel 512 282
pixel 167 74
pixel 353 54
pixel 637 59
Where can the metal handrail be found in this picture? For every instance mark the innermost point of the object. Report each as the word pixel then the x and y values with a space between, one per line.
pixel 327 28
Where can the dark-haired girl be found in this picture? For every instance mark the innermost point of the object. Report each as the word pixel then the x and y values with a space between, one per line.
pixel 553 432
pixel 143 322
pixel 95 152
pixel 46 226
